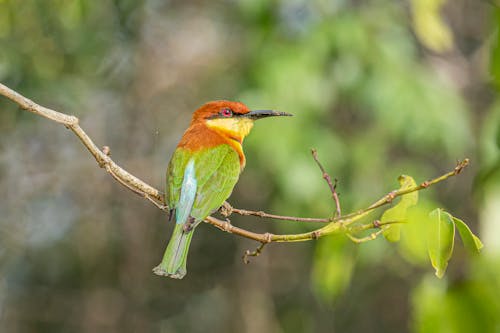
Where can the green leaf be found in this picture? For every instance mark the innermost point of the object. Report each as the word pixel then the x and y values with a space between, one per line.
pixel 471 241
pixel 440 240
pixel 398 213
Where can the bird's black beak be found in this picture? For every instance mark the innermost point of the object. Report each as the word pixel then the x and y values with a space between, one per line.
pixel 259 114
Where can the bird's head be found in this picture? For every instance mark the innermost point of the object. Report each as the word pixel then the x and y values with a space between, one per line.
pixel 231 119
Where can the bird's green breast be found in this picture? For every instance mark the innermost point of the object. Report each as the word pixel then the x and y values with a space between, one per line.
pixel 216 171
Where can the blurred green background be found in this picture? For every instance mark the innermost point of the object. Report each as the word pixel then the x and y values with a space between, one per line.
pixel 379 87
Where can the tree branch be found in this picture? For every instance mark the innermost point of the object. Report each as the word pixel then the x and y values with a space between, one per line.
pixel 328 179
pixel 226 210
pixel 337 224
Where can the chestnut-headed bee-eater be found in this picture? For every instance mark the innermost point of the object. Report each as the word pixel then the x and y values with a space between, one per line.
pixel 203 171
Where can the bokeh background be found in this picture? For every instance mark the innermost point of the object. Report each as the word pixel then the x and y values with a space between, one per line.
pixel 379 87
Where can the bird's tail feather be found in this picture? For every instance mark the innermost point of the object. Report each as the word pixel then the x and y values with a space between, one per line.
pixel 173 263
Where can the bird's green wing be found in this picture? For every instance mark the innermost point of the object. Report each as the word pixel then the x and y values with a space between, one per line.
pixel 175 176
pixel 217 172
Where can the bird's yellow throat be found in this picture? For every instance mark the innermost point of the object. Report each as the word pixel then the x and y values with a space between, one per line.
pixel 237 127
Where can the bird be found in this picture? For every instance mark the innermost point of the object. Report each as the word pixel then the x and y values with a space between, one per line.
pixel 203 171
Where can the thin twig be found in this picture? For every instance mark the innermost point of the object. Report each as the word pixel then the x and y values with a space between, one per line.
pixel 374 225
pixel 254 253
pixel 328 179
pixel 370 237
pixel 226 210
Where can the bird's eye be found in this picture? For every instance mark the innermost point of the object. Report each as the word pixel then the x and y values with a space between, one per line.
pixel 226 112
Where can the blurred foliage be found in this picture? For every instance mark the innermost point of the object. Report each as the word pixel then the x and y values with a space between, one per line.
pixel 463 305
pixel 333 267
pixel 379 87
pixel 429 25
